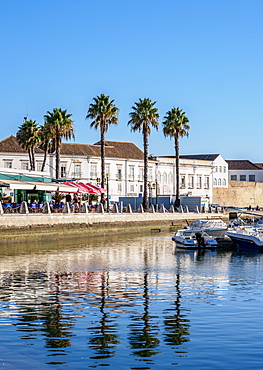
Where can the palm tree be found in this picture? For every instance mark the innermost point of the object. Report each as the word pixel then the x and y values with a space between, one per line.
pixel 143 116
pixel 28 138
pixel 61 126
pixel 175 125
pixel 104 113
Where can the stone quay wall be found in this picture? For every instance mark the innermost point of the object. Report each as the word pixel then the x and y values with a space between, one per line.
pixel 16 227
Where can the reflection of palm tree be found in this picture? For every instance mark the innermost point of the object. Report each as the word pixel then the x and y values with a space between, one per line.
pixel 176 324
pixel 143 336
pixel 104 339
pixel 56 326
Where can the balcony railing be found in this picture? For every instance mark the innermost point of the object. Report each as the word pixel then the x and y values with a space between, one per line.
pixel 76 175
pixel 93 175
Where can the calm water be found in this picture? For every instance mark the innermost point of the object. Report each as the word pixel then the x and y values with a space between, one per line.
pixel 129 303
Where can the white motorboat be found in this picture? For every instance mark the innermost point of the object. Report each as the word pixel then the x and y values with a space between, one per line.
pixel 247 239
pixel 184 240
pixel 214 227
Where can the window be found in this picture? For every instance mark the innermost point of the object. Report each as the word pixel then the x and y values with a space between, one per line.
pixel 233 177
pixel 25 165
pixel 93 173
pixel 224 182
pixel 150 174
pixel 77 172
pixel 39 166
pixel 63 170
pixel 141 188
pixel 191 182
pixel 220 168
pixel 215 182
pixel 131 176
pixel 206 182
pixel 140 173
pixel 215 168
pixel 182 182
pixel 242 178
pixel 170 178
pixel 159 178
pixel 165 178
pixel 119 173
pixel 251 178
pixel 199 182
pixel 7 163
pixel 219 182
pixel 119 188
pixel 132 188
pixel 224 169
pixel 107 169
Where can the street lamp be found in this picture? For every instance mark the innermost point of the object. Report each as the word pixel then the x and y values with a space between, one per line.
pixel 150 192
pixel 107 188
pixel 156 184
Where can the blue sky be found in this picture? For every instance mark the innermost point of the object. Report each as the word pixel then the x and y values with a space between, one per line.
pixel 204 56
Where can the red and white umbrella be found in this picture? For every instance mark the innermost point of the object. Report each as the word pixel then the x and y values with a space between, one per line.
pixel 96 188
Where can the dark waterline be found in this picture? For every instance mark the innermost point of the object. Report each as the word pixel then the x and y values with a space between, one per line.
pixel 129 303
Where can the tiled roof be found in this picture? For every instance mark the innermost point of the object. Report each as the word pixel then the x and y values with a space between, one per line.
pixel 113 149
pixel 260 165
pixel 10 145
pixel 203 157
pixel 242 165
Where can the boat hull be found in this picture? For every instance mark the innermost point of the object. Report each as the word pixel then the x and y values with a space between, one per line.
pixel 191 243
pixel 246 243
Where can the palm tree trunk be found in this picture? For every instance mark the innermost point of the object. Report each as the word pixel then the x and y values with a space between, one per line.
pixel 44 159
pixel 176 147
pixel 33 159
pixel 145 177
pixel 57 157
pixel 102 150
pixel 30 158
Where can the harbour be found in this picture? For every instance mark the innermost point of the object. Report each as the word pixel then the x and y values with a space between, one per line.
pixel 128 302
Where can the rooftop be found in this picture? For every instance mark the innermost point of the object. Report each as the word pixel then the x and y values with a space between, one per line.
pixel 242 165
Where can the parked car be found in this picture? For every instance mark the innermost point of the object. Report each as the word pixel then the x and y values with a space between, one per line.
pixel 232 208
pixel 215 206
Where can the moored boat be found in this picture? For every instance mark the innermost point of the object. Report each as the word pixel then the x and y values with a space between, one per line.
pixel 194 241
pixel 247 239
pixel 213 227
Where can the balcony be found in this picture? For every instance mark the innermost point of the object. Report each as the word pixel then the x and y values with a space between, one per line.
pixel 76 175
pixel 93 175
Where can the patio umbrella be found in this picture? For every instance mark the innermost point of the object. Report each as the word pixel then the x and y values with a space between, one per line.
pixel 89 188
pixel 76 187
pixel 96 188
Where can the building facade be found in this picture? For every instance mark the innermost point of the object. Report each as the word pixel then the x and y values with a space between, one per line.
pixel 244 170
pixel 124 168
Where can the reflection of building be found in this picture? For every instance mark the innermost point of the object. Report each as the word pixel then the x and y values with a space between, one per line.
pixel 124 166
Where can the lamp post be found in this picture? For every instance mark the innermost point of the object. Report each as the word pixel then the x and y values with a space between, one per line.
pixel 156 184
pixel 150 192
pixel 107 187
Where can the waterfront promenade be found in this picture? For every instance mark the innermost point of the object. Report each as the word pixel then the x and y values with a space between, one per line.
pixel 35 225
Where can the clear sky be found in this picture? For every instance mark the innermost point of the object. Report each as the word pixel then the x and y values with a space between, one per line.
pixel 204 56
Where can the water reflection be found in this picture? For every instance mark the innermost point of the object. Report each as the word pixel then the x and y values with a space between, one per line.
pixel 176 323
pixel 103 302
pixel 103 333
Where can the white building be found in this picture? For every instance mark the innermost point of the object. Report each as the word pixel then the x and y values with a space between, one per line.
pixel 244 170
pixel 124 167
